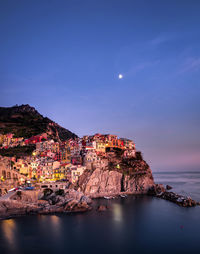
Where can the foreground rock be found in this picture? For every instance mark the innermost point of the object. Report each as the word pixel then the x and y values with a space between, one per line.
pixel 27 202
pixel 102 208
pixel 159 191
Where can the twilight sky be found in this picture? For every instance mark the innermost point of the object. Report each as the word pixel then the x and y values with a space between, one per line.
pixel 64 58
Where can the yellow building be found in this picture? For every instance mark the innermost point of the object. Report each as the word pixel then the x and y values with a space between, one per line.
pixel 60 173
pixel 24 169
pixel 1 138
pixel 100 146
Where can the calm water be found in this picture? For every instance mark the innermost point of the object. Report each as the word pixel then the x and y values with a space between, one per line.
pixel 131 225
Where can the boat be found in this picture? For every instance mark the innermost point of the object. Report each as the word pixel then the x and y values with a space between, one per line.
pixel 108 197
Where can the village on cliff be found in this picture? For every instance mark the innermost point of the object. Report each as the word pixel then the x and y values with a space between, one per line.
pixel 53 161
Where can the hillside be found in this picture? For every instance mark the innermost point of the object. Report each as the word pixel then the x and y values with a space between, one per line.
pixel 25 121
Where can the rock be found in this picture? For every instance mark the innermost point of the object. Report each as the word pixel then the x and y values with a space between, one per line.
pixel 59 209
pixel 32 209
pixel 42 202
pixel 75 206
pixel 71 193
pixel 102 208
pixel 103 182
pixel 156 189
pixel 168 187
pixel 70 205
pixel 86 199
pixel 131 176
pixel 26 203
pixel 3 209
pixel 25 196
pixel 44 211
pixel 81 207
pixel 159 192
pixel 139 184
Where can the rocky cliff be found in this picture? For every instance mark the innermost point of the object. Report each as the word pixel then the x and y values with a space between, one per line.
pixel 117 175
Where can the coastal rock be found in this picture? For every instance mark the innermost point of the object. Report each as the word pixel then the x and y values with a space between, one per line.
pixel 159 191
pixel 168 187
pixel 104 182
pixel 42 202
pixel 156 189
pixel 25 202
pixel 102 208
pixel 179 199
pixel 133 178
pixel 86 199
pixel 139 184
pixel 14 207
pixel 74 206
pixel 3 209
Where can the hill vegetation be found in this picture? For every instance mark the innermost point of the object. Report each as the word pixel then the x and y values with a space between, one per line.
pixel 25 121
pixel 18 151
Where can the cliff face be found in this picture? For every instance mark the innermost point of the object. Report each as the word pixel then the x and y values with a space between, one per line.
pixel 110 180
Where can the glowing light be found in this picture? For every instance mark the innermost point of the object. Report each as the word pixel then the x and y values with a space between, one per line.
pixel 8 228
pixel 120 76
pixel 117 213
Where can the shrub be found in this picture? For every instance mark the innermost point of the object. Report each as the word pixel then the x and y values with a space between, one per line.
pixel 18 151
pixel 138 156
pixel 19 194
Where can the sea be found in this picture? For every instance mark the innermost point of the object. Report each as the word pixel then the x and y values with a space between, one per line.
pixel 135 224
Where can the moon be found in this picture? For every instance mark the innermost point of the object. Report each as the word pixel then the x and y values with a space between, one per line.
pixel 120 76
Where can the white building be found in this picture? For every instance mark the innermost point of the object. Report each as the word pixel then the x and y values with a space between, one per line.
pixel 76 172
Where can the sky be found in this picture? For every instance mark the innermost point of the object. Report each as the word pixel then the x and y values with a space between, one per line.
pixel 64 58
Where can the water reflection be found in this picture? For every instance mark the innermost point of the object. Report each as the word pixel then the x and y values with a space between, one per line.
pixel 50 224
pixel 117 213
pixel 55 225
pixel 9 228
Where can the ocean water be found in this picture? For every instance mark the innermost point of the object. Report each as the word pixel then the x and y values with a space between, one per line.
pixel 137 224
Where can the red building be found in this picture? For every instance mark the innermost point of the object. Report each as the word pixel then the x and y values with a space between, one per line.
pixel 34 139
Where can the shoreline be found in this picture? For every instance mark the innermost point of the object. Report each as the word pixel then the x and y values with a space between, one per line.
pixel 72 206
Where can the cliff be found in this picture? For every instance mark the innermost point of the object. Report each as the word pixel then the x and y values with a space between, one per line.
pixel 115 176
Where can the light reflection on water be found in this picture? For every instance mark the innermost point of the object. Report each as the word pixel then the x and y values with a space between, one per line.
pixel 8 230
pixel 51 224
pixel 56 225
pixel 117 213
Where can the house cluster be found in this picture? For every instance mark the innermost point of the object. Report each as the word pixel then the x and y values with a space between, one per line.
pixel 8 140
pixel 53 161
